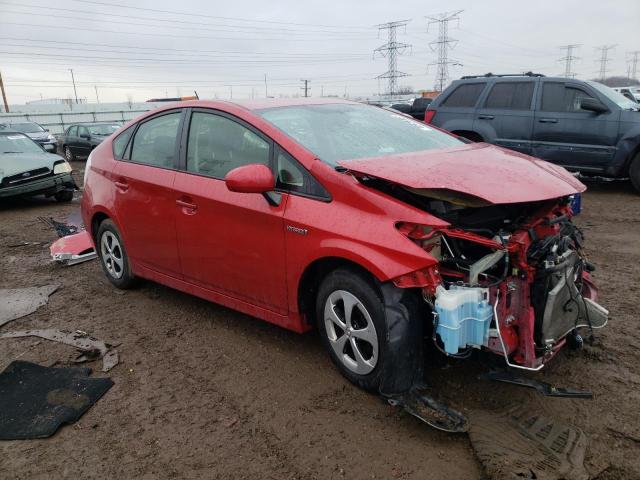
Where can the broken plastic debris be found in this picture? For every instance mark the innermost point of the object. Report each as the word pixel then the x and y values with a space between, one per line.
pixel 73 249
pixel 18 302
pixel 79 339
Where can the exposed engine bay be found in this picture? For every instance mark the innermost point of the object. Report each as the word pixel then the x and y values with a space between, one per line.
pixel 512 279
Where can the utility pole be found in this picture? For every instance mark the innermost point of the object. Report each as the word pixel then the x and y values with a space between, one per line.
pixel 305 88
pixel 443 45
pixel 97 98
pixel 604 59
pixel 266 93
pixel 634 63
pixel 391 50
pixel 4 95
pixel 568 59
pixel 75 93
pixel 231 91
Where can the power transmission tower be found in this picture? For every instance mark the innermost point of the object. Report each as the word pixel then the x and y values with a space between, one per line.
pixel 391 50
pixel 568 59
pixel 634 63
pixel 604 59
pixel 443 45
pixel 305 87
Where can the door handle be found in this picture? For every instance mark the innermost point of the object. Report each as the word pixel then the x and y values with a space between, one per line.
pixel 187 205
pixel 548 120
pixel 486 117
pixel 122 186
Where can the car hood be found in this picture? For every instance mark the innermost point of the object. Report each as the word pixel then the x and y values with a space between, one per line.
pixel 14 163
pixel 492 174
pixel 38 135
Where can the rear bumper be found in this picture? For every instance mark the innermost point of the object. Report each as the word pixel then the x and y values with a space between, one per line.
pixel 46 186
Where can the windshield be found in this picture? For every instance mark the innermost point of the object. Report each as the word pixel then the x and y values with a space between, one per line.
pixel 345 131
pixel 102 129
pixel 616 97
pixel 26 127
pixel 16 143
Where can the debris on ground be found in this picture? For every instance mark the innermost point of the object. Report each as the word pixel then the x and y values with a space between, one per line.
pixel 73 249
pixel 62 229
pixel 35 400
pixel 91 348
pixel 543 388
pixel 421 404
pixel 24 244
pixel 521 443
pixel 18 302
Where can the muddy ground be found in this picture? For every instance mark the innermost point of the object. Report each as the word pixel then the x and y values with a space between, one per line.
pixel 205 392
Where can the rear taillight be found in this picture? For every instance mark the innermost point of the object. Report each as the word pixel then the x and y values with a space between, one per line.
pixel 428 116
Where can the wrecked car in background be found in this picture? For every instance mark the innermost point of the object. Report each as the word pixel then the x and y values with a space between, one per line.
pixel 376 229
pixel 26 169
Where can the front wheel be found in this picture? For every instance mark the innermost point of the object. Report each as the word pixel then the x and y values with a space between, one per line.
pixel 68 154
pixel 634 172
pixel 64 196
pixel 351 322
pixel 113 256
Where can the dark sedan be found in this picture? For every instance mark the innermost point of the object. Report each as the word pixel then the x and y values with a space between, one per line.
pixel 78 140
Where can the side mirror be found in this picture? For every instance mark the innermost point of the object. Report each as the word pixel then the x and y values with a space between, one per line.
pixel 86 136
pixel 252 178
pixel 49 147
pixel 592 105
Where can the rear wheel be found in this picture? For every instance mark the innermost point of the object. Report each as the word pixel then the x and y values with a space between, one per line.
pixel 634 172
pixel 113 256
pixel 68 154
pixel 351 322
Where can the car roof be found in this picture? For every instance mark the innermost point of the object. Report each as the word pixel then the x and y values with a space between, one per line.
pixel 259 104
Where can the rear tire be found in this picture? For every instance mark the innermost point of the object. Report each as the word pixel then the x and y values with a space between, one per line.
pixel 351 321
pixel 634 172
pixel 113 256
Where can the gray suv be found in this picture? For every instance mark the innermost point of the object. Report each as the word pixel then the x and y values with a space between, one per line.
pixel 583 126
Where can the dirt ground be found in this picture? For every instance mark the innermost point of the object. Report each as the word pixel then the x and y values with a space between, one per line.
pixel 204 392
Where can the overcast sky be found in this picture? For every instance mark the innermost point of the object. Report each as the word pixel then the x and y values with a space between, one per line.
pixel 138 49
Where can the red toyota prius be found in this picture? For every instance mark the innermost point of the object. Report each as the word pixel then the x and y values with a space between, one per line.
pixel 374 228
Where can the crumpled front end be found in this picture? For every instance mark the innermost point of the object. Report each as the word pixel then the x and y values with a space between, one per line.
pixel 511 279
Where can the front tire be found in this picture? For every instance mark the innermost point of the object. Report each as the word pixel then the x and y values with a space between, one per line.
pixel 351 322
pixel 113 256
pixel 634 172
pixel 64 196
pixel 68 154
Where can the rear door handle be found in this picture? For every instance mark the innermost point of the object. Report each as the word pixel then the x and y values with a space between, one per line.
pixel 122 186
pixel 486 117
pixel 187 205
pixel 548 120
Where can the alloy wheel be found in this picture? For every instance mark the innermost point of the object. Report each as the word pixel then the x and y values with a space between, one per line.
pixel 112 255
pixel 351 332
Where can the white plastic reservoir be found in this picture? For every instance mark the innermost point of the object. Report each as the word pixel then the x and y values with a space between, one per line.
pixel 464 315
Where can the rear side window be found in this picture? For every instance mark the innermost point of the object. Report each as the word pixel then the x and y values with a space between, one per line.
pixel 120 143
pixel 558 97
pixel 510 96
pixel 466 95
pixel 155 141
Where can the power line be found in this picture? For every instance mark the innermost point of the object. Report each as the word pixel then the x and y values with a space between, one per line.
pixel 391 50
pixel 604 59
pixel 443 45
pixel 568 59
pixel 305 88
pixel 634 63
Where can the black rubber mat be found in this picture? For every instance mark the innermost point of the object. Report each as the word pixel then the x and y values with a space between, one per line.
pixel 36 400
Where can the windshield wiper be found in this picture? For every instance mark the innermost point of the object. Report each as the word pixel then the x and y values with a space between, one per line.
pixel 12 152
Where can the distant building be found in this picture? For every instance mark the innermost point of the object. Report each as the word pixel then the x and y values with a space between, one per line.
pixel 56 101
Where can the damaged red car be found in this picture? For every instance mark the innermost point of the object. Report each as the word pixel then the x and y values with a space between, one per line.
pixel 375 229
